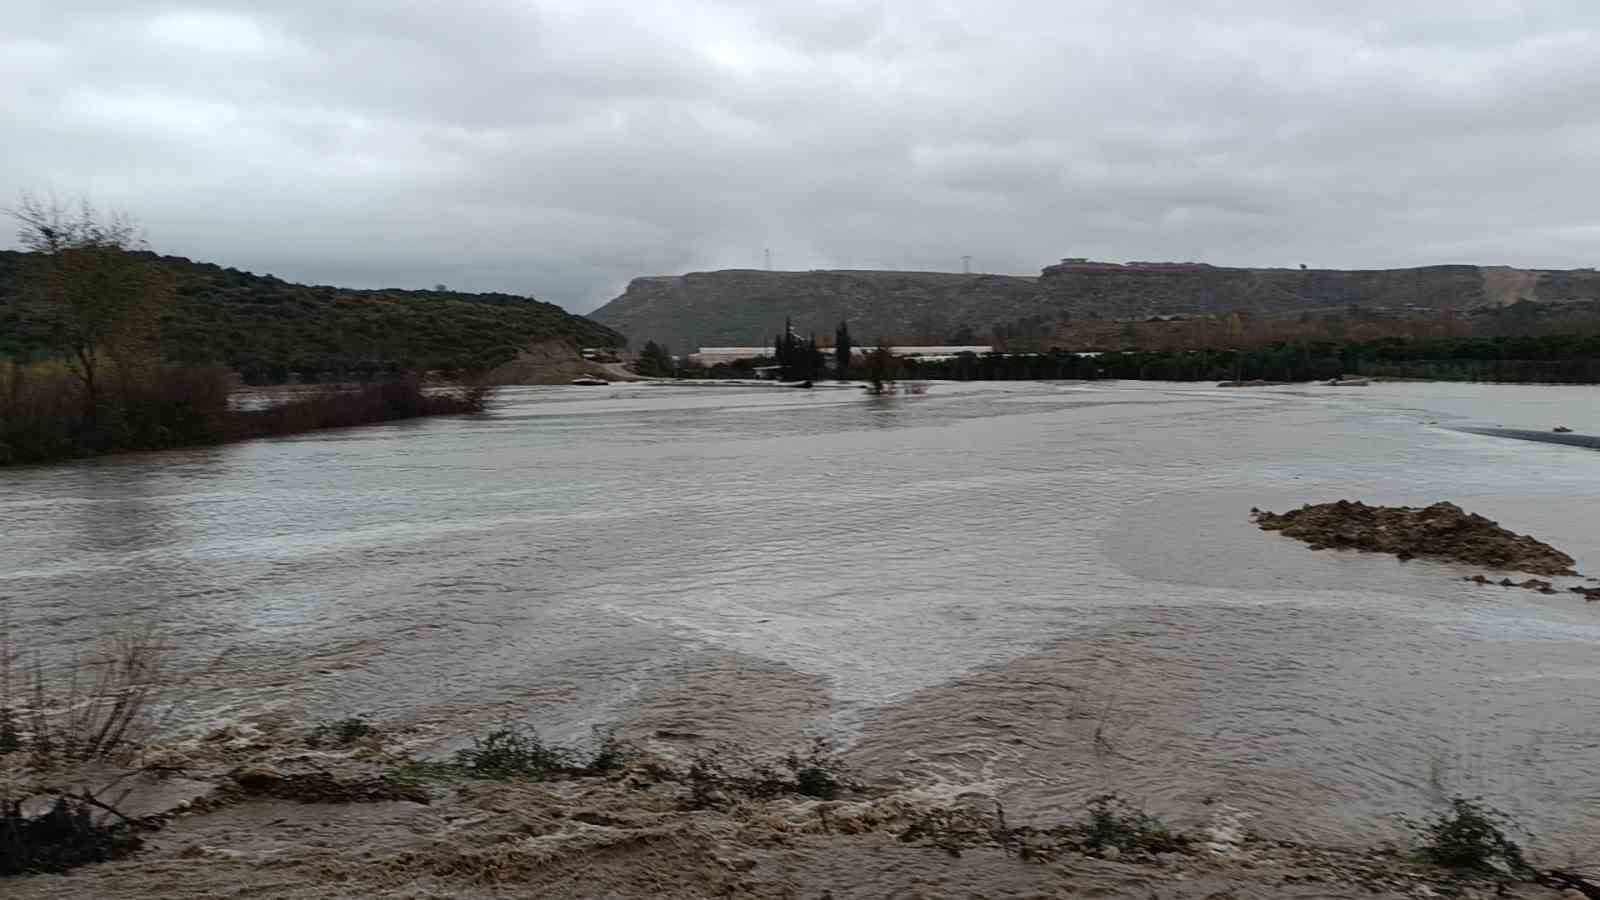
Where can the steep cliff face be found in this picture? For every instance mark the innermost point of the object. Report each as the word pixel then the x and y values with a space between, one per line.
pixel 1566 286
pixel 746 307
pixel 1134 290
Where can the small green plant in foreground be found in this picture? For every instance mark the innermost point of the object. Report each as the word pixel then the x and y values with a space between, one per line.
pixel 342 733
pixel 1114 822
pixel 718 776
pixel 1471 835
pixel 512 752
pixel 817 774
pixel 610 753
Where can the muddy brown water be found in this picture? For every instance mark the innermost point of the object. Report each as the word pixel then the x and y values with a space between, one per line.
pixel 1037 592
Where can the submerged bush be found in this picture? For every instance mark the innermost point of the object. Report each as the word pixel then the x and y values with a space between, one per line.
pixel 64 837
pixel 341 733
pixel 818 773
pixel 1471 835
pixel 513 753
pixel 717 776
pixel 1114 822
pixel 610 753
pixel 1112 827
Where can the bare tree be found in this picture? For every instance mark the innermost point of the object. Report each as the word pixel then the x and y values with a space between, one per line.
pixel 102 301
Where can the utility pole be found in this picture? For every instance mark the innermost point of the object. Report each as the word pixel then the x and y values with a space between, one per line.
pixel 966 265
pixel 768 252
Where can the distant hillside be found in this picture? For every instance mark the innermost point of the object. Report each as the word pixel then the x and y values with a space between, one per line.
pixel 745 307
pixel 748 306
pixel 264 326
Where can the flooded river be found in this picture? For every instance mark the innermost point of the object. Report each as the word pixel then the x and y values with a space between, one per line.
pixel 1034 591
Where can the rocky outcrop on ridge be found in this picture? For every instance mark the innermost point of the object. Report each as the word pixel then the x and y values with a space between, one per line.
pixel 745 307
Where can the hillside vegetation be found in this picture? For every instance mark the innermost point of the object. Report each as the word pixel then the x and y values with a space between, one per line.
pixel 265 328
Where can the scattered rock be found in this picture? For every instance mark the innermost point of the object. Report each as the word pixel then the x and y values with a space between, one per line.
pixel 1442 531
pixel 1532 584
pixel 225 733
pixel 323 787
pixel 258 779
pixel 1590 594
pixel 165 758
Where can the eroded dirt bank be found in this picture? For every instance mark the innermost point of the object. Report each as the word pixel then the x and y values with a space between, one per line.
pixel 252 812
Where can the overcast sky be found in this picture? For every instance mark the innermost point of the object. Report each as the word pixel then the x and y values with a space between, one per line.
pixel 560 148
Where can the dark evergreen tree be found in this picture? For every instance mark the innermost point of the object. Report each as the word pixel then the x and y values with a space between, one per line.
pixel 841 351
pixel 790 353
pixel 655 360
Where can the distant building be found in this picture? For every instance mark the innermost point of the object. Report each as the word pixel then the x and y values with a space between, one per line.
pixel 929 353
pixel 710 356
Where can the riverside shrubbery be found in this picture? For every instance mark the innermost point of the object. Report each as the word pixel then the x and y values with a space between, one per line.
pixel 714 776
pixel 97 303
pixel 719 776
pixel 45 414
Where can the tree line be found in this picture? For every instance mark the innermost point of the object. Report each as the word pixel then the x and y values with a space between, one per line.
pixel 1562 359
pixel 94 379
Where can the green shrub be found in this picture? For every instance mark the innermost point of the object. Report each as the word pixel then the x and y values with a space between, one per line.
pixel 513 753
pixel 1471 835
pixel 342 733
pixel 719 775
pixel 1114 822
pixel 610 753
pixel 818 773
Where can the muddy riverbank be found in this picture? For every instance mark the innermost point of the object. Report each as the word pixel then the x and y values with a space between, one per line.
pixel 270 809
pixel 1440 531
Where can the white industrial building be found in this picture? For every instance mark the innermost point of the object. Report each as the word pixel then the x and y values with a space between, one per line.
pixel 710 356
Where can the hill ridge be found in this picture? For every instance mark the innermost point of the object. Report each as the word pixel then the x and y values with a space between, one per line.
pixel 734 307
pixel 265 327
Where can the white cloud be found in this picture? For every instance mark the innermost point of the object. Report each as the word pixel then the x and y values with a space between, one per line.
pixel 560 148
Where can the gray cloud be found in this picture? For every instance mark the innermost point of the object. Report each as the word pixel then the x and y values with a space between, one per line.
pixel 560 148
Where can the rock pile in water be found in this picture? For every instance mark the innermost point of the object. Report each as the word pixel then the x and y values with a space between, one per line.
pixel 1440 531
